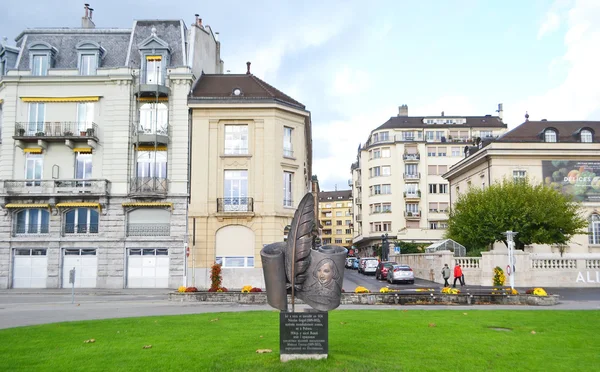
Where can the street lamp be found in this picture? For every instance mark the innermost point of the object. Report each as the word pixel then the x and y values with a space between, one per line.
pixel 385 247
pixel 510 268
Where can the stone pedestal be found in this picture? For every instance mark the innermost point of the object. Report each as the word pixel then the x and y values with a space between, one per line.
pixel 303 335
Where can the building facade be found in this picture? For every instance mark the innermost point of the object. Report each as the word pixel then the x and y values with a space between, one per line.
pixel 335 216
pixel 397 181
pixel 251 165
pixel 564 155
pixel 94 153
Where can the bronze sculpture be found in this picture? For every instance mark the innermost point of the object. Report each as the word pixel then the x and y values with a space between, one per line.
pixel 297 267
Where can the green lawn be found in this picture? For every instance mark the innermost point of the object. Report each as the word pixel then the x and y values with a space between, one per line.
pixel 372 340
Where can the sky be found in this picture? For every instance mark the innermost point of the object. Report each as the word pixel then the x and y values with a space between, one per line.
pixel 352 63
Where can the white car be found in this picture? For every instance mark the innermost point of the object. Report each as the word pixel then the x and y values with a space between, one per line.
pixel 401 273
pixel 370 265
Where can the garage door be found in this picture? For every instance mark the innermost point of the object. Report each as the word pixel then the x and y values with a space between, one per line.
pixel 30 268
pixel 85 263
pixel 148 268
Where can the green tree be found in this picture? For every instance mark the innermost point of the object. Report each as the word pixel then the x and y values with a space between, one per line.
pixel 540 215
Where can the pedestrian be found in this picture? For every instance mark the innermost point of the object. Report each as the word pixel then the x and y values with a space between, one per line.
pixel 457 275
pixel 446 274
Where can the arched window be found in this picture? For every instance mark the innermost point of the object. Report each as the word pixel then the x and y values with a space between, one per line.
pixel 586 135
pixel 549 135
pixel 153 118
pixel 32 221
pixel 594 229
pixel 81 221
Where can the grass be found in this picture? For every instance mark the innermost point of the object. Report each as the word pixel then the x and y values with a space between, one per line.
pixel 372 340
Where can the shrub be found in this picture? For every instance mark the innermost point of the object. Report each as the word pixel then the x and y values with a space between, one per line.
pixel 499 277
pixel 222 289
pixel 360 289
pixel 215 277
pixel 191 289
pixel 255 289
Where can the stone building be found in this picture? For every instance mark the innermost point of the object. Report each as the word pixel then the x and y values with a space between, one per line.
pixel 95 152
pixel 335 216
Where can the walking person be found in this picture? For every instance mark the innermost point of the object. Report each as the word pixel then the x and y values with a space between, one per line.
pixel 446 274
pixel 457 275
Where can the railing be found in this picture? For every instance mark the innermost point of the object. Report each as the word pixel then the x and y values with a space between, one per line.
pixel 409 138
pixel 148 185
pixel 412 214
pixel 412 176
pixel 411 195
pixel 358 200
pixel 81 228
pixel 31 229
pixel 553 264
pixel 411 156
pixel 592 264
pixel 359 217
pixel 288 203
pixel 382 140
pixel 148 229
pixel 235 205
pixel 288 153
pixel 57 186
pixel 57 129
pixel 468 263
pixel 150 129
pixel 358 183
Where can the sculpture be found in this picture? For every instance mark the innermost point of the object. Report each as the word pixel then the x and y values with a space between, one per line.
pixel 297 267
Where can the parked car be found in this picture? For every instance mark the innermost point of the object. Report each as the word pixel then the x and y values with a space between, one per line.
pixel 400 273
pixel 355 264
pixel 368 265
pixel 382 270
pixel 350 262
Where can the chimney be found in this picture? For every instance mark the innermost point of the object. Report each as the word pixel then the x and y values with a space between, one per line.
pixel 86 20
pixel 500 111
pixel 197 18
pixel 403 110
pixel 248 65
pixel 442 113
pixel 216 36
pixel 199 23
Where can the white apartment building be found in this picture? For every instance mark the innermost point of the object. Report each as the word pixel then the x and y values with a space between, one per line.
pixel 94 154
pixel 397 180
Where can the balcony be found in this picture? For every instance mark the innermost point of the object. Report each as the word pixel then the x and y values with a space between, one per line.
pixel 358 183
pixel 150 133
pixel 148 187
pixel 359 217
pixel 150 86
pixel 412 195
pixel 80 228
pixel 358 200
pixel 148 229
pixel 411 158
pixel 55 131
pixel 56 187
pixel 412 215
pixel 412 176
pixel 235 205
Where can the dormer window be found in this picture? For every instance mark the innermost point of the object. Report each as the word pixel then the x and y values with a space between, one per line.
pixel 155 54
pixel 89 55
pixel 586 135
pixel 154 70
pixel 550 135
pixel 41 56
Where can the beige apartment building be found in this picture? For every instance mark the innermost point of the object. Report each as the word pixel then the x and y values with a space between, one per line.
pixel 335 216
pixel 564 155
pixel 250 167
pixel 94 153
pixel 397 181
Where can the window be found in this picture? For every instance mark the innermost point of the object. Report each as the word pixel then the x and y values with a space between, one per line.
pixel 442 169
pixel 85 116
pixel 328 214
pixel 348 241
pixel 235 261
pixel 433 207
pixel 594 229
pixel 386 208
pixel 33 169
pixel 83 167
pixel 433 188
pixel 383 136
pixel 433 225
pixel 443 207
pixel 375 172
pixel 429 135
pixel 328 205
pixel 236 139
pixel 338 205
pixel 549 135
pixel 438 135
pixel 154 70
pixel 376 154
pixel 386 189
pixel 287 189
pixel 385 152
pixel 386 170
pixel 338 223
pixel 235 191
pixel 375 190
pixel 338 214
pixel 327 223
pixel 432 169
pixel 411 170
pixel 81 221
pixel 39 65
pixel 35 119
pixel 288 151
pixel 154 118
pixel 431 151
pixel 519 175
pixel 376 208
pixel 485 134
pixel 443 188
pixel 408 136
pixel 441 151
pixel 338 231
pixel 455 151
pixel 411 189
pixel 32 221
pixel 348 231
pixel 349 204
pixel 326 241
pixel 348 222
pixel 338 241
pixel 443 225
pixel 381 226
pixel 152 164
pixel 412 208
pixel 586 135
pixel 88 64
pixel 149 222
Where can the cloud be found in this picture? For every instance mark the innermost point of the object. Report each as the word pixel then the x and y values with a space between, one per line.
pixel 348 81
pixel 550 24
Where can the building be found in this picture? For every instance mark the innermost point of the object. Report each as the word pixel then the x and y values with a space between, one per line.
pixel 397 179
pixel 336 217
pixel 94 155
pixel 251 164
pixel 562 154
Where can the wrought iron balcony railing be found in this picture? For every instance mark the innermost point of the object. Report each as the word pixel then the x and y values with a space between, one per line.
pixel 31 229
pixel 56 186
pixel 410 214
pixel 235 205
pixel 81 228
pixel 411 157
pixel 148 185
pixel 56 130
pixel 148 229
pixel 160 129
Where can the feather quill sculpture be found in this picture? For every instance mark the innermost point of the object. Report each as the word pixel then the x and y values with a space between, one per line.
pixel 299 244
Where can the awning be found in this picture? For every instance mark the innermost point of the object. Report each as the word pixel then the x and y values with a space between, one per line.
pixel 61 99
pixel 79 204
pixel 83 150
pixel 33 150
pixel 153 58
pixel 1 101
pixel 148 204
pixel 152 148
pixel 17 205
pixel 153 99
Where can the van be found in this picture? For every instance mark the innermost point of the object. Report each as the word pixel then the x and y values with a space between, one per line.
pixel 368 265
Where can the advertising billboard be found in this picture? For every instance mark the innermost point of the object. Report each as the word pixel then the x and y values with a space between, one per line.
pixel 578 178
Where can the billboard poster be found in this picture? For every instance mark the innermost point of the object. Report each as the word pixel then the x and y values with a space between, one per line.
pixel 578 178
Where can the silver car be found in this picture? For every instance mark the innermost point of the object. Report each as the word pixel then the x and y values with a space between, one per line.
pixel 400 273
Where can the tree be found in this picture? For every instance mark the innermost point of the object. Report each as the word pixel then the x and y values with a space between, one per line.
pixel 540 215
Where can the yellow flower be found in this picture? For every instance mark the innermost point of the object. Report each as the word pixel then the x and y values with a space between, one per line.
pixel 539 292
pixel 246 289
pixel 384 290
pixel 360 289
pixel 181 289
